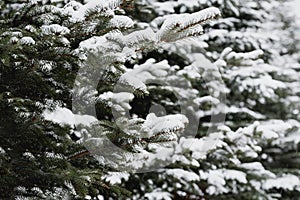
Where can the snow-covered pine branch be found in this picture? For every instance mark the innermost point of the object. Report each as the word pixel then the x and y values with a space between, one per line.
pixel 117 101
pixel 174 28
pixel 140 75
pixel 79 12
pixel 132 137
pixel 179 26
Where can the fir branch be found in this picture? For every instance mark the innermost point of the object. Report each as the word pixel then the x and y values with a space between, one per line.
pixel 200 18
pixel 181 26
pixel 78 154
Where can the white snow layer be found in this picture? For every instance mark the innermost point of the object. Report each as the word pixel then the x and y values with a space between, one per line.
pixel 64 116
pixel 183 174
pixel 55 29
pixel 287 182
pixel 118 101
pixel 27 41
pixel 169 124
pixel 116 177
pixel 157 194
pixel 140 75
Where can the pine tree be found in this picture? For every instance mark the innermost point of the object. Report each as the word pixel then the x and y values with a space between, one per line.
pixel 39 61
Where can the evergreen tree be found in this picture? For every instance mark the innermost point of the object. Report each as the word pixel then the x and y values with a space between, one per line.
pixel 39 61
pixel 93 91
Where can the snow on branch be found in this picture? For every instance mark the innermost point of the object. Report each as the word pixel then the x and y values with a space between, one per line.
pixel 140 37
pixel 54 29
pixel 200 17
pixel 118 101
pixel 155 133
pixel 172 28
pixel 79 12
pixel 154 129
pixel 139 76
pixel 245 58
pixel 159 127
pixel 186 25
pixel 120 21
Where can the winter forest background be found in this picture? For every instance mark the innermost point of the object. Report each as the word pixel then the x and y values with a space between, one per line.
pixel 149 99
